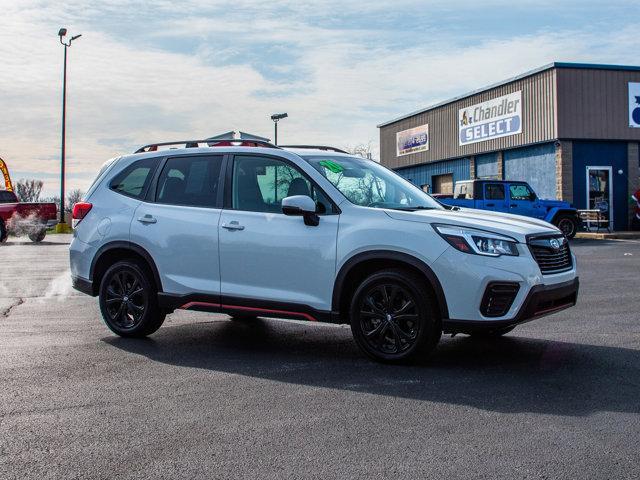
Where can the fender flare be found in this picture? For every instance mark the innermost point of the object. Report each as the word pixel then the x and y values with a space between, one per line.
pixel 555 211
pixel 394 256
pixel 124 245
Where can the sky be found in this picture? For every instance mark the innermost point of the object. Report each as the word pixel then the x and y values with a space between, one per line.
pixel 151 71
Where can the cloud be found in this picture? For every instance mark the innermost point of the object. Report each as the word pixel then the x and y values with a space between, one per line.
pixel 154 71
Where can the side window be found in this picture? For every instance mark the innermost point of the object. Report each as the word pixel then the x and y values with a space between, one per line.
pixel 521 192
pixel 134 180
pixel 260 184
pixel 190 181
pixel 494 191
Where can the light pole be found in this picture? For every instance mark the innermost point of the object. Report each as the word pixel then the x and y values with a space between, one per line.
pixel 276 117
pixel 62 33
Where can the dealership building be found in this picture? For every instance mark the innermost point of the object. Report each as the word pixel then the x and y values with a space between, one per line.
pixel 572 131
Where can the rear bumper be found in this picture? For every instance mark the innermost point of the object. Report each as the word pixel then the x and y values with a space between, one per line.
pixel 541 300
pixel 82 285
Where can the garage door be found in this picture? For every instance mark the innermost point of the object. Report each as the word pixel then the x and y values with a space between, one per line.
pixel 443 184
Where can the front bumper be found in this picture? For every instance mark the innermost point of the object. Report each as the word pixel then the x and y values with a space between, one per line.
pixel 540 301
pixel 82 285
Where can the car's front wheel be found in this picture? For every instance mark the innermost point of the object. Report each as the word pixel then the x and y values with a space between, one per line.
pixel 394 317
pixel 129 300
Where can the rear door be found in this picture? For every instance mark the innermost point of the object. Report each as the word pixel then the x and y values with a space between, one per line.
pixel 495 198
pixel 268 259
pixel 178 225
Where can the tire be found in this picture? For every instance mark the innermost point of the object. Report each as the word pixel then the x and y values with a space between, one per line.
pixel 3 232
pixel 568 225
pixel 394 317
pixel 38 235
pixel 491 334
pixel 129 300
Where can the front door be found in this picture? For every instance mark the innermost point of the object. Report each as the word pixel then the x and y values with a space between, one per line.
pixel 600 193
pixel 523 201
pixel 179 227
pixel 268 258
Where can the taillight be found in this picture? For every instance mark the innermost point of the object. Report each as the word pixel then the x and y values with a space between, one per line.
pixel 80 211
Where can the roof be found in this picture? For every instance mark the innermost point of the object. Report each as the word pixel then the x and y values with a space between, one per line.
pixel 583 66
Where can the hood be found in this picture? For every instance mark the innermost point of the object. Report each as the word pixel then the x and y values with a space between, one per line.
pixel 515 226
pixel 555 203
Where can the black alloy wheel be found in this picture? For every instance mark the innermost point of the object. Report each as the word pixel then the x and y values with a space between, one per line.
pixel 128 300
pixel 567 225
pixel 393 318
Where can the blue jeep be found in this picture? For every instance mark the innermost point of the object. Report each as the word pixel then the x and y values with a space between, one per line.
pixel 513 197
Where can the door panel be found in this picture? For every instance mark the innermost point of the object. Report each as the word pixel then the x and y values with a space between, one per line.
pixel 277 257
pixel 522 201
pixel 266 255
pixel 495 197
pixel 180 230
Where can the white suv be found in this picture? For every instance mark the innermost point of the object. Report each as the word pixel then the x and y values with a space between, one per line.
pixel 251 229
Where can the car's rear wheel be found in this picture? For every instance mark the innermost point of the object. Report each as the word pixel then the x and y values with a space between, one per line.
pixel 394 317
pixel 38 235
pixel 129 300
pixel 568 225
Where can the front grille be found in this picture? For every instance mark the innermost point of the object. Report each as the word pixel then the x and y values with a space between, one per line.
pixel 552 253
pixel 498 298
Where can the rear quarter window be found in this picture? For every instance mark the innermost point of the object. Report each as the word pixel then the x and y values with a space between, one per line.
pixel 134 180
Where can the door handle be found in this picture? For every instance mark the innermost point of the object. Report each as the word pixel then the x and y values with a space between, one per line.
pixel 147 219
pixel 514 205
pixel 490 204
pixel 233 226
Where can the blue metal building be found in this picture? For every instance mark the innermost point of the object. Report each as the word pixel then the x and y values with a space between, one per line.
pixel 571 130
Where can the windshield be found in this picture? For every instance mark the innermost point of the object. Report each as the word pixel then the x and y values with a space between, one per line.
pixel 369 184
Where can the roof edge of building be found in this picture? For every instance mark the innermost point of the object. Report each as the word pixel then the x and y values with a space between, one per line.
pixel 549 66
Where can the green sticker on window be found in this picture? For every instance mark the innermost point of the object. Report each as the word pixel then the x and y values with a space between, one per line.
pixel 333 166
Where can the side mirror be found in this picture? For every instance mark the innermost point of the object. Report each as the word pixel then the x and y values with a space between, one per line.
pixel 301 205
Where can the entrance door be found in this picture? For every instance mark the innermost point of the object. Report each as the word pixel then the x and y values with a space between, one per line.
pixel 600 192
pixel 443 184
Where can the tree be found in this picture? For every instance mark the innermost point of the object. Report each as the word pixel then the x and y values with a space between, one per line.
pixel 363 150
pixel 73 197
pixel 28 190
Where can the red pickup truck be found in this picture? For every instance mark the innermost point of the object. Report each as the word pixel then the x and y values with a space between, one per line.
pixel 31 219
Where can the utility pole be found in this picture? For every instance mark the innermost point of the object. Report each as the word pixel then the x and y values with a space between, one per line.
pixel 277 117
pixel 62 33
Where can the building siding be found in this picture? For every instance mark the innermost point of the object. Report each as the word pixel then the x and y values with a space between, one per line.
pixel 487 165
pixel 422 174
pixel 593 104
pixel 535 165
pixel 538 123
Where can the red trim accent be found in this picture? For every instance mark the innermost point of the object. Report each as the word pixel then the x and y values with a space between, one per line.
pixel 267 310
pixel 187 306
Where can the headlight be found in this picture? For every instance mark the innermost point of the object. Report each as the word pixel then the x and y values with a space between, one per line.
pixel 479 242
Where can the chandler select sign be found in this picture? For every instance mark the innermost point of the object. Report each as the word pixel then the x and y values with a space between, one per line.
pixel 495 118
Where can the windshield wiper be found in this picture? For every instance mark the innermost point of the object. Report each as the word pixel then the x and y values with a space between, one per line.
pixel 413 209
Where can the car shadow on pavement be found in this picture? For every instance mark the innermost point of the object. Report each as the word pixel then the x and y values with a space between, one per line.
pixel 511 374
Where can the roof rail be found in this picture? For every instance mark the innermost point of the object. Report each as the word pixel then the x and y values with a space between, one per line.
pixel 218 142
pixel 315 147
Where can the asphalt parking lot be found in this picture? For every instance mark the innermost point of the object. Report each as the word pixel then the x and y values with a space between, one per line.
pixel 206 397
